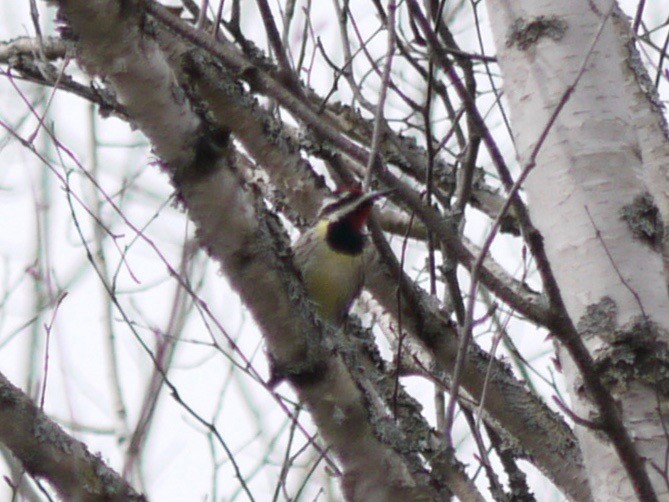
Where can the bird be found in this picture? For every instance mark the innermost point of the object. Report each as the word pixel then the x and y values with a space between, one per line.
pixel 329 254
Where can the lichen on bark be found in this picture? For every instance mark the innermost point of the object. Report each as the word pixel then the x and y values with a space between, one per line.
pixel 631 352
pixel 644 220
pixel 526 33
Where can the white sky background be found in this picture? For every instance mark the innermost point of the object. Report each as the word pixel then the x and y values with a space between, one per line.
pixel 178 463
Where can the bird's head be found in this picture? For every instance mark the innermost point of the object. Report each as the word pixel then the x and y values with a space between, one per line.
pixel 346 214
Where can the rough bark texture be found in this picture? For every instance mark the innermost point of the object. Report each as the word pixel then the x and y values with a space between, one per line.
pixel 47 452
pixel 538 431
pixel 590 173
pixel 250 245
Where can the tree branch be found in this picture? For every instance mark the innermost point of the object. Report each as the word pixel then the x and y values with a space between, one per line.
pixel 48 452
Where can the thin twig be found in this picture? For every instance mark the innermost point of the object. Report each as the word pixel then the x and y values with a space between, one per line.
pixel 378 120
pixel 588 424
pixel 202 19
pixel 274 38
pixel 616 269
pixel 48 328
pixel 637 17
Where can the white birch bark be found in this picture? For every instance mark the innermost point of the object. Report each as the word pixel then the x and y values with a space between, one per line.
pixel 593 169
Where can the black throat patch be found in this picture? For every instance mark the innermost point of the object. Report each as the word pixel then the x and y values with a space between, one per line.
pixel 344 239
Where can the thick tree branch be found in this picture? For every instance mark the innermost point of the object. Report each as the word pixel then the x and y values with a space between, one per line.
pixel 48 452
pixel 249 243
pixel 263 139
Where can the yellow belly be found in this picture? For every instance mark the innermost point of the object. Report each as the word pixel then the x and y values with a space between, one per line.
pixel 333 280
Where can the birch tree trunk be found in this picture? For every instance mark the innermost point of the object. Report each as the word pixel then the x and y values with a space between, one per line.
pixel 598 194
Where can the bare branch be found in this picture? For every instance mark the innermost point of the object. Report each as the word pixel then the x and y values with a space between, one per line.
pixel 47 452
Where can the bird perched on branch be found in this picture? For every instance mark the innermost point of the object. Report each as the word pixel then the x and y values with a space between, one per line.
pixel 329 254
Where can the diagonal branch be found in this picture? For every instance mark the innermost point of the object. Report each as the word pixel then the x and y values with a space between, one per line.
pixel 262 138
pixel 236 229
pixel 48 452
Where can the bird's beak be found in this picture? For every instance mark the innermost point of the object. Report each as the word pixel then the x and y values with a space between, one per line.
pixel 376 194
